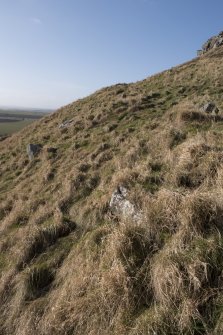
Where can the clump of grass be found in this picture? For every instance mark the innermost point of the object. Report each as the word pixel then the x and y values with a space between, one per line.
pixel 194 116
pixel 176 137
pixel 40 239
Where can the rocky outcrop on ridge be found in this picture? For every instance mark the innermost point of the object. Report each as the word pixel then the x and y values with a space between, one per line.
pixel 212 43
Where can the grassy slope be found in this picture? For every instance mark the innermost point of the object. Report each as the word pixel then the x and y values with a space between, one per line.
pixel 67 265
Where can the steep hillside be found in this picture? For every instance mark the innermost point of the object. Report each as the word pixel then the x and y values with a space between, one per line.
pixel 115 226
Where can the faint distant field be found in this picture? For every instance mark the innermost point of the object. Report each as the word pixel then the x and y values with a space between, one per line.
pixel 8 128
pixel 12 121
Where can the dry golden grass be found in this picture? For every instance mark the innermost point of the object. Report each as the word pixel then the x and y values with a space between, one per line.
pixel 68 265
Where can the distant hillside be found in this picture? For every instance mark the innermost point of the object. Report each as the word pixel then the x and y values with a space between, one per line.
pixel 13 120
pixel 111 211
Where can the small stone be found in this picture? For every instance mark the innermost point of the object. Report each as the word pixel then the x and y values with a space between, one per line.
pixel 65 124
pixel 210 107
pixel 104 146
pixel 119 205
pixel 110 127
pixel 33 150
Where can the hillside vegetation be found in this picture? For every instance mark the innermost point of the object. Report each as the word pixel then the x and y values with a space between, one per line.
pixel 69 265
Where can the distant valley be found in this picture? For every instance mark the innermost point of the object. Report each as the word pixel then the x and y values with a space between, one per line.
pixel 14 119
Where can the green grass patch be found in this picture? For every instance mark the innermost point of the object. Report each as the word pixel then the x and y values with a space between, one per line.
pixel 8 128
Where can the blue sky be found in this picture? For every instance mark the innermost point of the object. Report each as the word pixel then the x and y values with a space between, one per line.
pixel 55 51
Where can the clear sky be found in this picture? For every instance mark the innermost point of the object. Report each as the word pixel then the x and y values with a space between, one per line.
pixel 55 51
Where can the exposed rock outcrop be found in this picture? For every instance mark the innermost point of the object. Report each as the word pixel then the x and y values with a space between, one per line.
pixel 121 206
pixel 210 108
pixel 212 43
pixel 33 150
pixel 65 124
